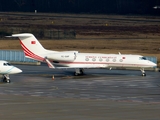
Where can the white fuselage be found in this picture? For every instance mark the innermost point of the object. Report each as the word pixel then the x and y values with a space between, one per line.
pixel 73 59
pixel 6 68
pixel 93 60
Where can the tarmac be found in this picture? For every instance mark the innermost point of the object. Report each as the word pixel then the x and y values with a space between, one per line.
pixel 98 95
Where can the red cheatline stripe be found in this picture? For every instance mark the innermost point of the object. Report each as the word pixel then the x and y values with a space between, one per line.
pixel 30 54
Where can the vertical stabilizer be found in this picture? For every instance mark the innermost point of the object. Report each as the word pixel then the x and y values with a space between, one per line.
pixel 31 46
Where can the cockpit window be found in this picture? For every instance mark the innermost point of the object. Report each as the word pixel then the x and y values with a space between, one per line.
pixel 142 58
pixel 6 64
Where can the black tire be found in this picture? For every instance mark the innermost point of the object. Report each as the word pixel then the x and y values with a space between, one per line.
pixel 143 74
pixel 8 81
pixel 76 74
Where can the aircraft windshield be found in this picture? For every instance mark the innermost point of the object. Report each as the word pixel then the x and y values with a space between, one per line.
pixel 6 64
pixel 143 58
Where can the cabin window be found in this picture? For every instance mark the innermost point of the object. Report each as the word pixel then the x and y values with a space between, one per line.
pixel 100 59
pixel 93 59
pixel 121 60
pixel 87 59
pixel 6 64
pixel 107 60
pixel 114 60
pixel 142 58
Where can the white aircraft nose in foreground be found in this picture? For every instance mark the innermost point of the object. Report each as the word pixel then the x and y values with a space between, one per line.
pixel 73 59
pixel 6 69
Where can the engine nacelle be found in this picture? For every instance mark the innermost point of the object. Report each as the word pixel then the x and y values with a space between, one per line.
pixel 62 56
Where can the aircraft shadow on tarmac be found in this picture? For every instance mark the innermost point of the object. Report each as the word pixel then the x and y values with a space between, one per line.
pixel 97 72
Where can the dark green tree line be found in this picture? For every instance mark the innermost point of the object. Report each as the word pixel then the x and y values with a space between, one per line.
pixel 82 6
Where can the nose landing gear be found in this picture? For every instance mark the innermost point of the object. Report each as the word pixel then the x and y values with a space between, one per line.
pixel 143 72
pixel 6 79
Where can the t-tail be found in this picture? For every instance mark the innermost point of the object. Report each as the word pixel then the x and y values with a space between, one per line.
pixel 32 47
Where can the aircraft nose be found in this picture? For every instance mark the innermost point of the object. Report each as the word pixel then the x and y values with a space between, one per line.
pixel 154 64
pixel 16 70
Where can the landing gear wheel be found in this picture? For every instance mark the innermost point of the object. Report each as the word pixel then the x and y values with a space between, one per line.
pixel 143 74
pixel 8 81
pixel 79 72
pixel 76 74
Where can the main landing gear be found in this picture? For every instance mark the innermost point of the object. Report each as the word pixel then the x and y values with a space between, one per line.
pixel 79 71
pixel 143 72
pixel 6 79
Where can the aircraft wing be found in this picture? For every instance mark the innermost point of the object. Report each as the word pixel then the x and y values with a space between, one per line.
pixel 75 67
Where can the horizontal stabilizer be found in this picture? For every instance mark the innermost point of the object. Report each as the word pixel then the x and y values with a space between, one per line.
pixel 21 35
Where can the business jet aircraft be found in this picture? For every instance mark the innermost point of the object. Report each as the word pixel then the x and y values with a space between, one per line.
pixel 73 59
pixel 6 69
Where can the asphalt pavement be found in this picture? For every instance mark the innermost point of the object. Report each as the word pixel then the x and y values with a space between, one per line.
pixel 98 95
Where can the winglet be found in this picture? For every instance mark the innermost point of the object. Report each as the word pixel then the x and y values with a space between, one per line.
pixel 50 65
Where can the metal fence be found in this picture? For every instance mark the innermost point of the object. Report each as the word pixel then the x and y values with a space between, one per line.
pixel 14 56
pixel 151 58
